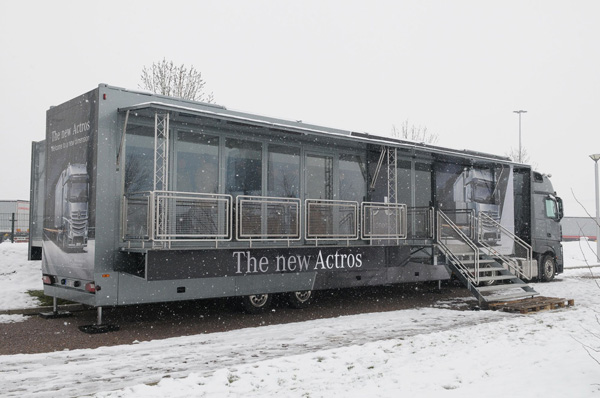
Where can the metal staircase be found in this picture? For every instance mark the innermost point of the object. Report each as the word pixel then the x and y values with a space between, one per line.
pixel 488 274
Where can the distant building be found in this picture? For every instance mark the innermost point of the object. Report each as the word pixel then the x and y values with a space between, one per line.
pixel 574 228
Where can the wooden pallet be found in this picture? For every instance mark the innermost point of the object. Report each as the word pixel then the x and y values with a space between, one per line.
pixel 533 304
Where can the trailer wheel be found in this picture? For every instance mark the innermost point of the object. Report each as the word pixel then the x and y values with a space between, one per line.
pixel 300 299
pixel 256 303
pixel 488 274
pixel 548 268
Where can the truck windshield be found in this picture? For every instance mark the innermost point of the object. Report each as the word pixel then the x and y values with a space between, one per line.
pixel 483 192
pixel 78 192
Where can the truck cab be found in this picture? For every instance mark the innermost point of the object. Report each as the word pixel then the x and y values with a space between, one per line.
pixel 546 232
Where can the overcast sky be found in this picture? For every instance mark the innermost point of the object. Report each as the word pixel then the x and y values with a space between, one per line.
pixel 460 68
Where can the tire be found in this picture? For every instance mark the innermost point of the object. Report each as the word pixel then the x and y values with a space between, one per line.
pixel 256 303
pixel 548 268
pixel 488 283
pixel 301 299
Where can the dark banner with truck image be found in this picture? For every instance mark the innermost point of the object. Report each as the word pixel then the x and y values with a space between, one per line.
pixel 71 130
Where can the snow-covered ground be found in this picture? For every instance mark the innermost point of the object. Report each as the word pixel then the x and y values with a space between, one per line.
pixel 427 352
pixel 17 276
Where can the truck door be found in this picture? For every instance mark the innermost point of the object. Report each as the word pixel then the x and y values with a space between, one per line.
pixel 552 212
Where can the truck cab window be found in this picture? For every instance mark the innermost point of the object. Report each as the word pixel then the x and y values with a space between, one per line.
pixel 482 192
pixel 78 191
pixel 551 211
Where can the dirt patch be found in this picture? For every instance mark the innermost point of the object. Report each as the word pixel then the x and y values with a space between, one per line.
pixel 160 321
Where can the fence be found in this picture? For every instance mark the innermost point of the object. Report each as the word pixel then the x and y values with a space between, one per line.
pixel 14 226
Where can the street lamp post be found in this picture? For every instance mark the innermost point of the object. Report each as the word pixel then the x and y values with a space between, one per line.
pixel 595 158
pixel 520 153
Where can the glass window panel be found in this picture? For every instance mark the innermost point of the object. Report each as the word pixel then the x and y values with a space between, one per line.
pixel 352 178
pixel 283 175
pixel 197 163
pixel 422 184
pixel 319 179
pixel 243 160
pixel 550 208
pixel 139 159
pixel 403 174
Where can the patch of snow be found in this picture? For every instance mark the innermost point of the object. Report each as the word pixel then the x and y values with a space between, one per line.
pixel 426 352
pixel 13 318
pixel 17 276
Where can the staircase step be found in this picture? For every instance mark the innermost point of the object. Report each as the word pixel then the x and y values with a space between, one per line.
pixel 494 288
pixel 481 261
pixel 486 269
pixel 508 297
pixel 496 278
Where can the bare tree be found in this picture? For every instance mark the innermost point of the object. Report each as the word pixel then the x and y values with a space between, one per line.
pixel 522 157
pixel 414 133
pixel 594 336
pixel 166 78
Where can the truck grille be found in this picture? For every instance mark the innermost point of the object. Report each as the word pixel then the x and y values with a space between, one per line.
pixel 79 215
pixel 487 224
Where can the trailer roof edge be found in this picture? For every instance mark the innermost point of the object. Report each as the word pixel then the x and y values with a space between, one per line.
pixel 306 129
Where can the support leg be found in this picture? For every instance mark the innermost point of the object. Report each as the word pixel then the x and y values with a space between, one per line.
pixel 55 312
pixel 100 326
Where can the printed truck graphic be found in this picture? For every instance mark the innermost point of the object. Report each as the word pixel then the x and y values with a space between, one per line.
pixel 476 190
pixel 71 207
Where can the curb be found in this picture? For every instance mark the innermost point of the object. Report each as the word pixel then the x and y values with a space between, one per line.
pixel 37 310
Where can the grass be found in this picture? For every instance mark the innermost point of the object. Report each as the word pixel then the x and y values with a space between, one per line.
pixel 46 300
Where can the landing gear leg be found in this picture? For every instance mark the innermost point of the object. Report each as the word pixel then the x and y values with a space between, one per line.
pixel 55 312
pixel 99 327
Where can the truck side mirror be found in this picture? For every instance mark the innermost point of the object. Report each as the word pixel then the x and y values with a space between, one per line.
pixel 560 208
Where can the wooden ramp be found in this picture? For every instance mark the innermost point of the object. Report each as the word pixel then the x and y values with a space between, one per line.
pixel 533 304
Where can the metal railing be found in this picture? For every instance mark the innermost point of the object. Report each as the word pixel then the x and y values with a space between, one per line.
pixel 267 218
pixel 456 245
pixel 136 216
pixel 330 220
pixel 464 220
pixel 420 222
pixel 525 249
pixel 164 216
pixel 383 221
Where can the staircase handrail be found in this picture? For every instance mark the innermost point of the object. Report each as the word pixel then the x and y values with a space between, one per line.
pixel 518 241
pixel 473 277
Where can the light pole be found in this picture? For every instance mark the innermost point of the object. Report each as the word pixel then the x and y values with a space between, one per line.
pixel 520 153
pixel 595 158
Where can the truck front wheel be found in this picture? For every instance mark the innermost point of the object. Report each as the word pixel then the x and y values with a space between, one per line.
pixel 548 268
